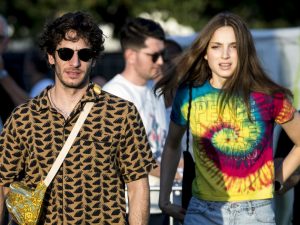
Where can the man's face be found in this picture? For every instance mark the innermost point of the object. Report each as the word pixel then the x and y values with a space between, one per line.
pixel 72 68
pixel 149 60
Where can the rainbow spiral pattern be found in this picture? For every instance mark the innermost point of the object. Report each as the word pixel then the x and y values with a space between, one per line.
pixel 233 155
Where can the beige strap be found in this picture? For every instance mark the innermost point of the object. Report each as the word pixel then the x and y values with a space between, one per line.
pixel 63 153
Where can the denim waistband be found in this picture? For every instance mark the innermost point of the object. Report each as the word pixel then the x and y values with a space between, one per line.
pixel 240 204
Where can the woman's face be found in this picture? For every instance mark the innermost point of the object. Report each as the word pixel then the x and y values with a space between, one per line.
pixel 222 55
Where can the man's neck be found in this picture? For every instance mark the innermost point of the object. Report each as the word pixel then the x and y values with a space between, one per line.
pixel 65 99
pixel 133 77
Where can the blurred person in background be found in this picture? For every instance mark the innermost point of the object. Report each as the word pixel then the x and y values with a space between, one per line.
pixel 37 72
pixel 142 42
pixel 11 93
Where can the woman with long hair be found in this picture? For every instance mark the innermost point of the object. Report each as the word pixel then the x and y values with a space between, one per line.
pixel 231 106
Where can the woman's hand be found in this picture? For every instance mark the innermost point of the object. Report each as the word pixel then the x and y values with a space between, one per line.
pixel 173 210
pixel 291 181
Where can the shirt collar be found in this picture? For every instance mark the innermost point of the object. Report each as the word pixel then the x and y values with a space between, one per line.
pixel 42 102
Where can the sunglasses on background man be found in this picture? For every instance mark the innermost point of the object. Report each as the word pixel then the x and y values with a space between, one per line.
pixel 155 56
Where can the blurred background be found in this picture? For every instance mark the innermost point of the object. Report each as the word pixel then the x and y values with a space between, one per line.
pixel 274 25
pixel 179 18
pixel 28 16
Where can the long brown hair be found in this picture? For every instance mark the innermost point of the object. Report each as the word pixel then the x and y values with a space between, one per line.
pixel 249 75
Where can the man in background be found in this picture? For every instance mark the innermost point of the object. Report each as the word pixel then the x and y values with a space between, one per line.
pixel 142 42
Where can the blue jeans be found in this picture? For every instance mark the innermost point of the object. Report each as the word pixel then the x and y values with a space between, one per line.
pixel 258 212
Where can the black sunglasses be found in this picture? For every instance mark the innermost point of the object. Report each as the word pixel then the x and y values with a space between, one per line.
pixel 84 54
pixel 156 55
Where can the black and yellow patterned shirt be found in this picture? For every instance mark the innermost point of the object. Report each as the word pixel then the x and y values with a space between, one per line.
pixel 110 150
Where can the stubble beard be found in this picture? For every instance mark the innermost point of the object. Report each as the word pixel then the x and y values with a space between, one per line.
pixel 75 85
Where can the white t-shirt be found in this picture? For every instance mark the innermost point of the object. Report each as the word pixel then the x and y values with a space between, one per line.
pixel 151 108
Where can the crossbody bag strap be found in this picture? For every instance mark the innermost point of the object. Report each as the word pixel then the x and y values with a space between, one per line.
pixel 63 153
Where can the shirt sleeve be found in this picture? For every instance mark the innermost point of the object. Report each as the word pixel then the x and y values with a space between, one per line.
pixel 12 154
pixel 178 110
pixel 284 109
pixel 135 158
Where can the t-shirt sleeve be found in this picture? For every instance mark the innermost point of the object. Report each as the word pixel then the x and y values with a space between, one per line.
pixel 284 109
pixel 135 156
pixel 12 154
pixel 178 113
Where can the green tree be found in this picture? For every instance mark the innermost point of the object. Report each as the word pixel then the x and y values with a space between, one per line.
pixel 28 16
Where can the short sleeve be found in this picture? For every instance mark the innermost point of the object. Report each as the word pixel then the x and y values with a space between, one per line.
pixel 12 154
pixel 180 99
pixel 135 156
pixel 284 109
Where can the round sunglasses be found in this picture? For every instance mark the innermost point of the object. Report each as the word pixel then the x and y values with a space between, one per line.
pixel 84 54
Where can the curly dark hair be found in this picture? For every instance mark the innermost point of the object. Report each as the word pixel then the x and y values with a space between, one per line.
pixel 82 23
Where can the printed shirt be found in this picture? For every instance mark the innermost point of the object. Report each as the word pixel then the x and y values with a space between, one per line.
pixel 110 150
pixel 233 156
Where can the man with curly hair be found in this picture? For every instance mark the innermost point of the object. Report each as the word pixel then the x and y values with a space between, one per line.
pixel 111 148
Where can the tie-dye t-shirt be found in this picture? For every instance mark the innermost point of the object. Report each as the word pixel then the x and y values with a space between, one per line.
pixel 234 156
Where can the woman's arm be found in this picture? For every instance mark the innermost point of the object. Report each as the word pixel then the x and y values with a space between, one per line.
pixel 170 158
pixel 292 161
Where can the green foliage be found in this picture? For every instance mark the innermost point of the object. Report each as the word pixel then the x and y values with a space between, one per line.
pixel 28 16
pixel 186 12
